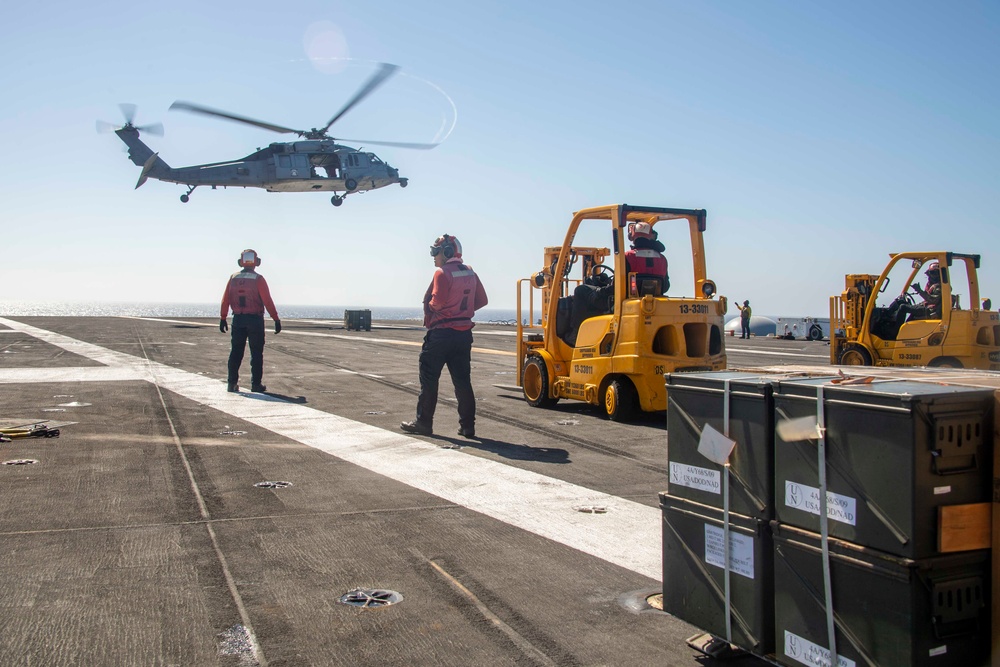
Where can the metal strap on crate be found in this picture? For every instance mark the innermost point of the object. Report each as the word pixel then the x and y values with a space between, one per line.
pixel 725 514
pixel 718 447
pixel 824 525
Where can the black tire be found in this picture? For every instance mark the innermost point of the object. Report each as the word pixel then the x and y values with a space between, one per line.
pixel 815 332
pixel 854 355
pixel 945 362
pixel 351 185
pixel 620 400
pixel 535 383
pixel 336 200
pixel 185 198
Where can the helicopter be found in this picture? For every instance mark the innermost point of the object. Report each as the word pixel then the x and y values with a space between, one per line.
pixel 317 163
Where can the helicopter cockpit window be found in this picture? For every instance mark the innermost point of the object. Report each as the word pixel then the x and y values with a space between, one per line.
pixel 374 158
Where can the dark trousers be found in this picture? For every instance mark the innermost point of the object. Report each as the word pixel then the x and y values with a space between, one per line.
pixel 745 324
pixel 454 348
pixel 247 328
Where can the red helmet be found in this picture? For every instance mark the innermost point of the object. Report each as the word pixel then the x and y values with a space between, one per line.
pixel 447 244
pixel 933 273
pixel 249 258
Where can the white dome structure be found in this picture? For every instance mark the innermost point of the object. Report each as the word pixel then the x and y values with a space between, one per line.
pixel 759 326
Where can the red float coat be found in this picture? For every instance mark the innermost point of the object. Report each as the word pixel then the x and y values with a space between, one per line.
pixel 247 293
pixel 453 297
pixel 646 261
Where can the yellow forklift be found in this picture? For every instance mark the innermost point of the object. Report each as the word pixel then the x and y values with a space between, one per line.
pixel 605 335
pixel 919 326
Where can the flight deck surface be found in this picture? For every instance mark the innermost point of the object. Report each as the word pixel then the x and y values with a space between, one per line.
pixel 143 535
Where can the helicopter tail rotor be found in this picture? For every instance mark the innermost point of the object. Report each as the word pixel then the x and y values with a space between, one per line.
pixel 129 111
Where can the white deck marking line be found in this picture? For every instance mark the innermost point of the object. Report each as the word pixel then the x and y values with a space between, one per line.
pixel 320 334
pixel 628 536
pixel 23 375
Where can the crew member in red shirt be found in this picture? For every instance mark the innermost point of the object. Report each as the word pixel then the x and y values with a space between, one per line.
pixel 454 296
pixel 248 295
pixel 645 257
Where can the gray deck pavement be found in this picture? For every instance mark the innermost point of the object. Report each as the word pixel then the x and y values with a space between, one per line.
pixel 140 536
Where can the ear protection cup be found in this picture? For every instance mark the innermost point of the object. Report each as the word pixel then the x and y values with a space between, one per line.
pixel 247 257
pixel 447 246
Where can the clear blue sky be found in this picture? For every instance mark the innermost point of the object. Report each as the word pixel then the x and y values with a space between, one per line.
pixel 820 137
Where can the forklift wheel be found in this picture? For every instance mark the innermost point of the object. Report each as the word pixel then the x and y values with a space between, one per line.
pixel 535 384
pixel 854 355
pixel 945 362
pixel 620 400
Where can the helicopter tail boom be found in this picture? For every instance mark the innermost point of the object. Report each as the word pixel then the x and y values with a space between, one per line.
pixel 143 156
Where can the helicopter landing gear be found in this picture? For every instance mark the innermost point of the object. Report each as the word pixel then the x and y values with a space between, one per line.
pixel 185 198
pixel 336 200
pixel 403 182
pixel 351 185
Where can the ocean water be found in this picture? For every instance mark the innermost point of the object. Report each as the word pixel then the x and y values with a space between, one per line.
pixel 112 309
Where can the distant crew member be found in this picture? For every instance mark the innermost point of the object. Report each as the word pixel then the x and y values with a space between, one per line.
pixel 248 295
pixel 451 300
pixel 645 258
pixel 745 313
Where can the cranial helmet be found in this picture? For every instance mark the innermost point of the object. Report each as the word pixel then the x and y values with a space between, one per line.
pixel 641 230
pixel 933 272
pixel 249 258
pixel 447 245
pixel 746 303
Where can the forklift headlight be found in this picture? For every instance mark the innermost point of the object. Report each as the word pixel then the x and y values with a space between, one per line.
pixel 708 289
pixel 539 279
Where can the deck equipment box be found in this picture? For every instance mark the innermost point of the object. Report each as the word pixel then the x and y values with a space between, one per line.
pixel 896 451
pixel 888 610
pixel 358 320
pixel 697 399
pixel 694 572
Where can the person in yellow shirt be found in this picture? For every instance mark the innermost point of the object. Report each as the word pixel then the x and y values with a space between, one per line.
pixel 745 313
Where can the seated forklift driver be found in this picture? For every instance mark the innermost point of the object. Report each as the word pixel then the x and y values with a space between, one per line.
pixel 646 260
pixel 886 322
pixel 930 309
pixel 592 298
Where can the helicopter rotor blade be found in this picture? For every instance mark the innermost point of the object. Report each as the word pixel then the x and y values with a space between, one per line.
pixel 384 72
pixel 195 108
pixel 395 144
pixel 128 110
pixel 104 127
pixel 153 128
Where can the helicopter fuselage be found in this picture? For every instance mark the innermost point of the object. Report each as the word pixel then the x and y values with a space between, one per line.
pixel 296 166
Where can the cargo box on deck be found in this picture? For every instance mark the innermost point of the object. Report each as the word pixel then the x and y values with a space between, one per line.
pixel 889 610
pixel 694 572
pixel 896 452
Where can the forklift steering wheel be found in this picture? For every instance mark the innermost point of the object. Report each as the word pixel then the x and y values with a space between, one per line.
pixel 601 275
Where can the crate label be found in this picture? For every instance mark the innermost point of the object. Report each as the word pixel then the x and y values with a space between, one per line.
pixel 740 550
pixel 807 653
pixel 694 477
pixel 940 650
pixel 938 490
pixel 806 498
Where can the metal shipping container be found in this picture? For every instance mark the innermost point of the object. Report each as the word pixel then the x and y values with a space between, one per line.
pixel 696 399
pixel 694 572
pixel 896 451
pixel 888 610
